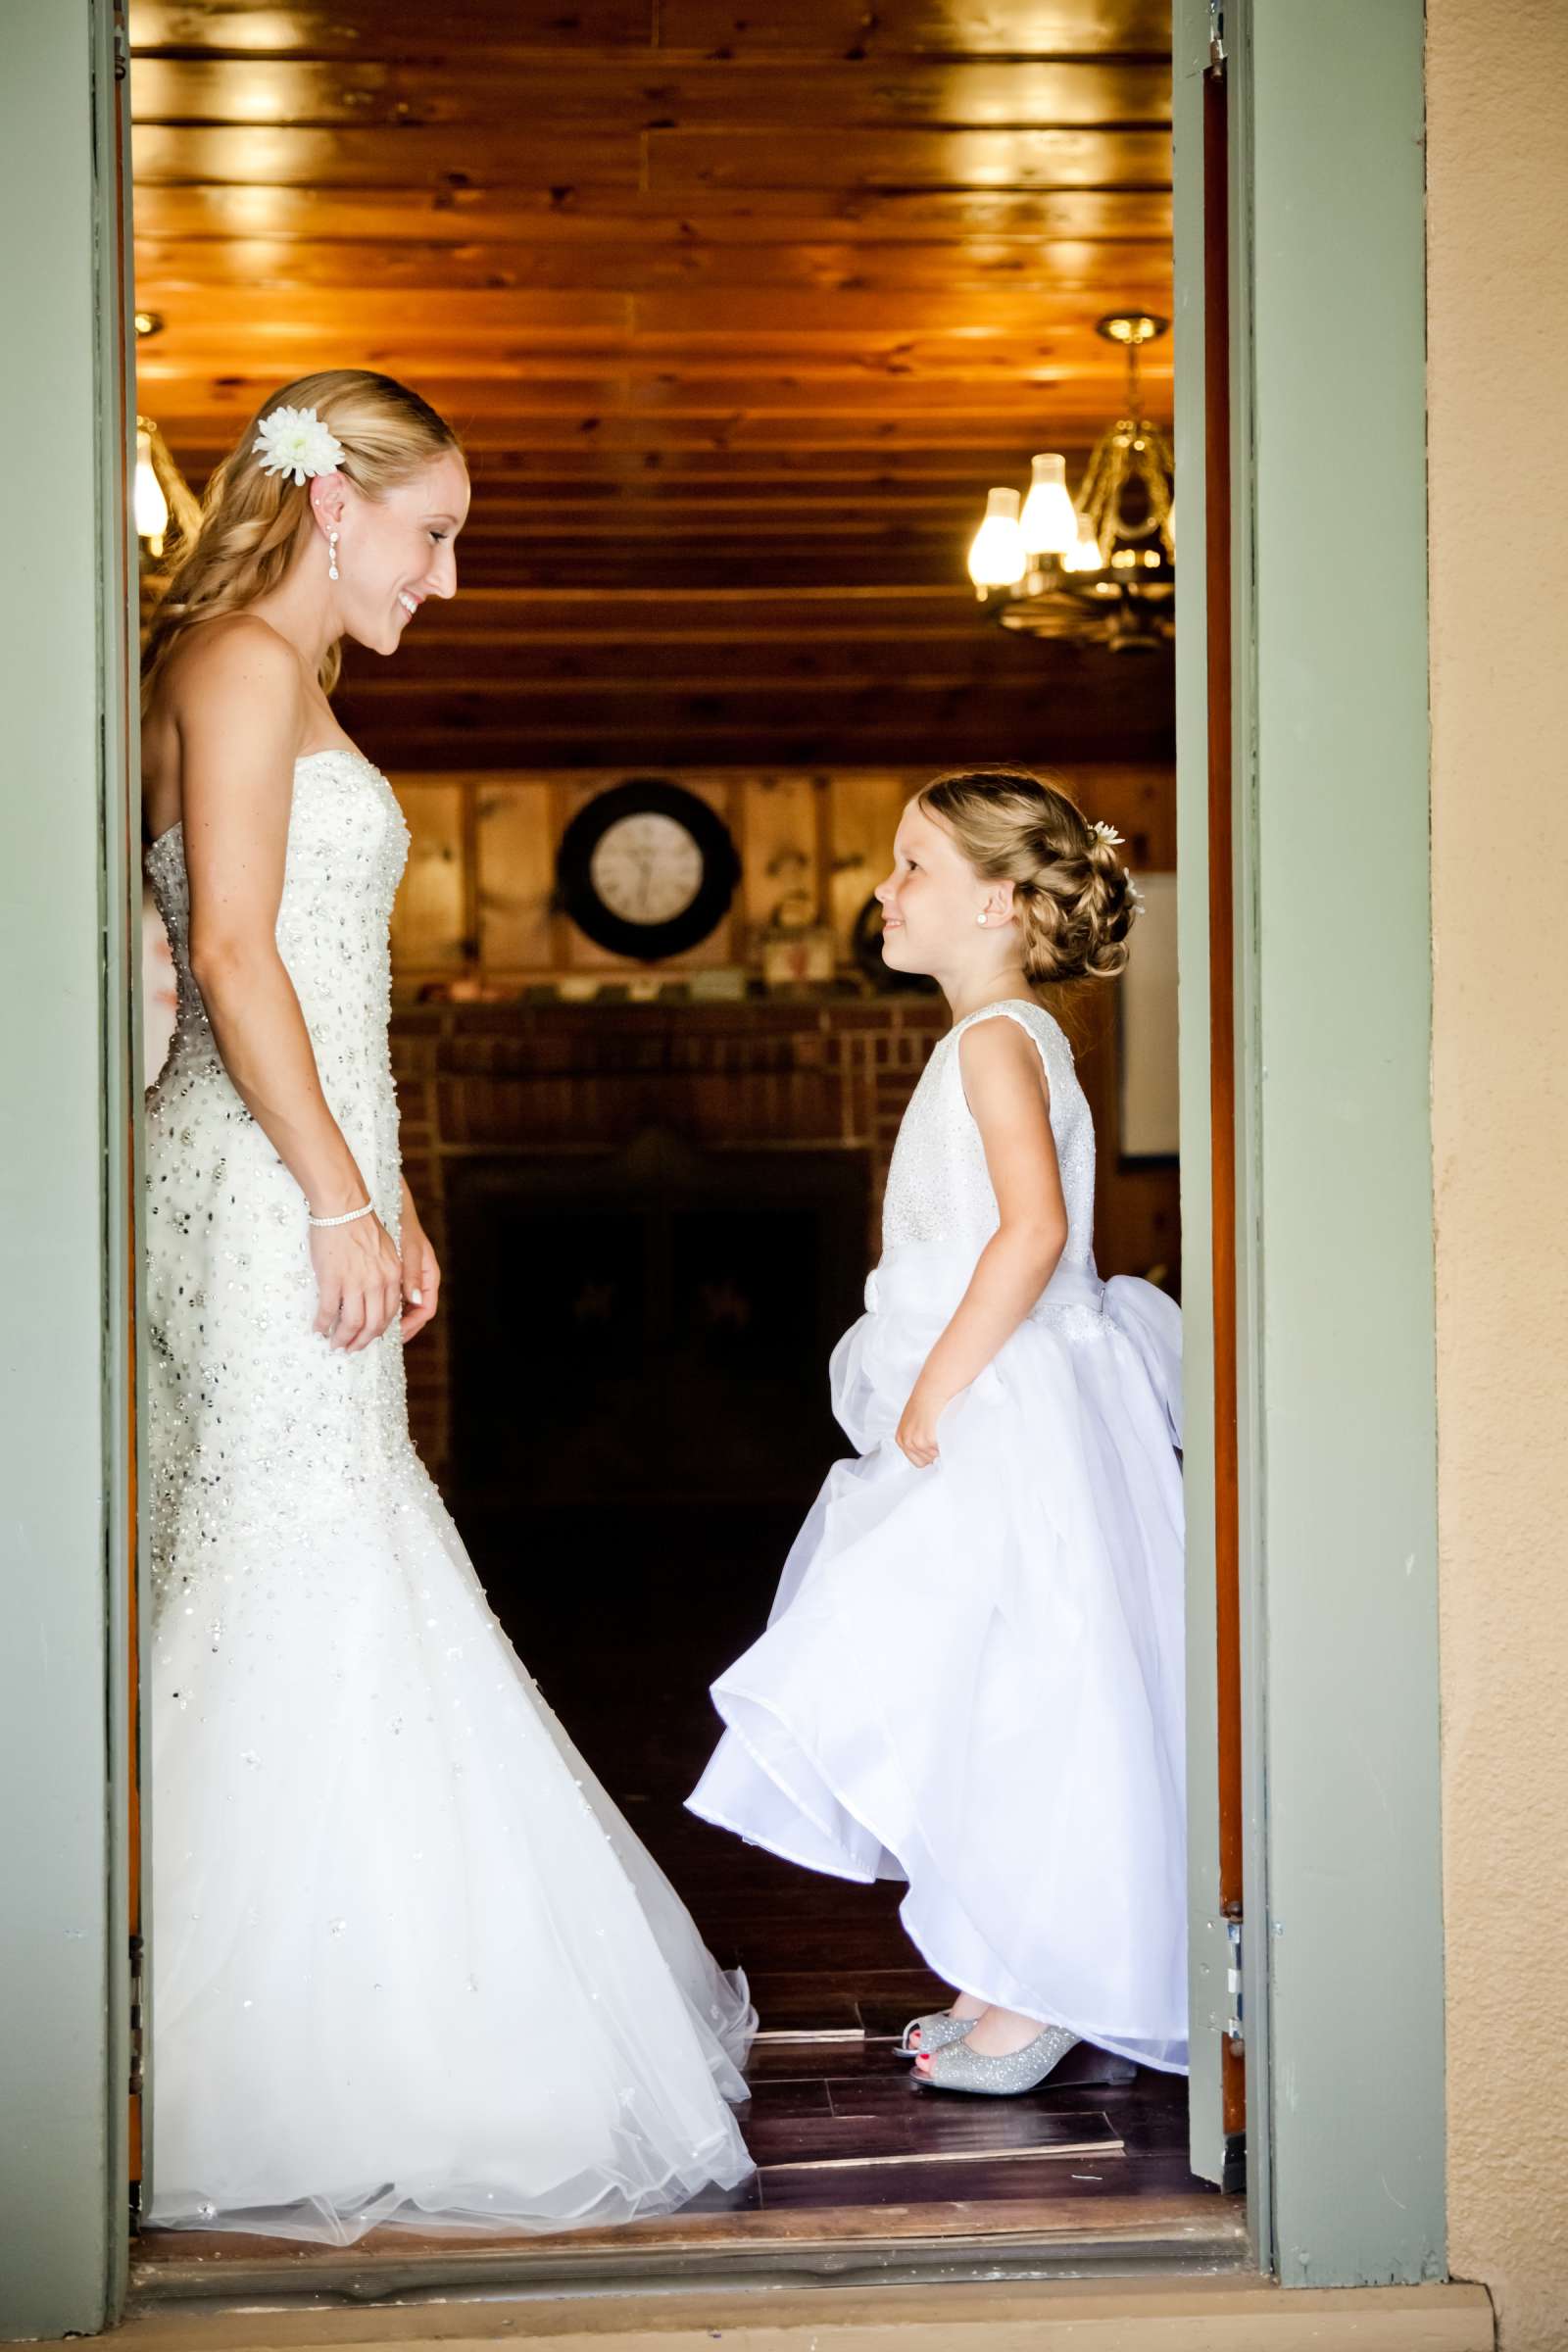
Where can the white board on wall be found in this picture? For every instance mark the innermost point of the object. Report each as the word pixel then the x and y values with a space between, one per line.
pixel 1150 1097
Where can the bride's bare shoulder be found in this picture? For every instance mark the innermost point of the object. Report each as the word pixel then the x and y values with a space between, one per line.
pixel 232 690
pixel 226 681
pixel 233 652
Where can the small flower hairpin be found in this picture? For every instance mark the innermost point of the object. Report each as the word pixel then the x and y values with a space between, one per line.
pixel 297 442
pixel 1106 833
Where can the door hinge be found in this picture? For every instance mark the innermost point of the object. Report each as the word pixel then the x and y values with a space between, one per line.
pixel 1216 37
pixel 137 2003
pixel 122 50
pixel 1235 2032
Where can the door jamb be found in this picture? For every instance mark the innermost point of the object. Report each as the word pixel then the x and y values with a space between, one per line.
pixel 65 1388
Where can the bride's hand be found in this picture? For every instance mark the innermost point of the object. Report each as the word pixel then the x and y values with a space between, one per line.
pixel 358 1281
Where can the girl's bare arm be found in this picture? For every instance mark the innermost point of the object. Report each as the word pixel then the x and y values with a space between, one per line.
pixel 1006 1085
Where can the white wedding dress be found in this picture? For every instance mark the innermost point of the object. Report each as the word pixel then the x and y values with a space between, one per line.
pixel 972 1676
pixel 408 1962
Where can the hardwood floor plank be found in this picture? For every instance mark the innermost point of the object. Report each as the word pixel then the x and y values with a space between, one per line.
pixel 940 2185
pixel 786 2099
pixel 898 2130
pixel 795 2060
pixel 809 2004
pixel 1149 2123
pixel 945 2121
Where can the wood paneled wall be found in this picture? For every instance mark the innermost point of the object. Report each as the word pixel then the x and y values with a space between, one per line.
pixel 478 903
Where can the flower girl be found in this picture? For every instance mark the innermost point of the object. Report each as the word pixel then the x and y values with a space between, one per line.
pixel 971 1679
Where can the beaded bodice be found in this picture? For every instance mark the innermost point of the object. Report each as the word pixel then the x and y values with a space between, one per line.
pixel 256 1426
pixel 939 1189
pixel 348 843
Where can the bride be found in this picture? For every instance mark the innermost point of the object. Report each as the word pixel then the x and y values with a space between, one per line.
pixel 410 1963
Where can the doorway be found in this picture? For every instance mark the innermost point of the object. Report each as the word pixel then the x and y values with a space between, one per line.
pixel 721 503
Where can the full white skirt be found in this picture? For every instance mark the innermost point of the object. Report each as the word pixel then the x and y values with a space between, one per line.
pixel 972 1676
pixel 410 1962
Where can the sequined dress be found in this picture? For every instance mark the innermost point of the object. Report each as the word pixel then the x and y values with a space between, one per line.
pixel 972 1676
pixel 408 1962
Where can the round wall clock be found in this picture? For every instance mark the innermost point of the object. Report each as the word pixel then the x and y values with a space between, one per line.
pixel 647 868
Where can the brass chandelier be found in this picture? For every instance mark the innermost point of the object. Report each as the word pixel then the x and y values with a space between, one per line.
pixel 1099 567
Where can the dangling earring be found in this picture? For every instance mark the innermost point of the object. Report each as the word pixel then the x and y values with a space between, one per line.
pixel 331 555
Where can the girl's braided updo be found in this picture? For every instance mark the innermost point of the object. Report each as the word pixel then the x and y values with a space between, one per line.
pixel 250 519
pixel 1074 899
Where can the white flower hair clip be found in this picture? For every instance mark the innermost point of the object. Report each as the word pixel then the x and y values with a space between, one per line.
pixel 1135 895
pixel 297 442
pixel 1106 833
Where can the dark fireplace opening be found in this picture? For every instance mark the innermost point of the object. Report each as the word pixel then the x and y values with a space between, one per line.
pixel 650 1326
pixel 639 1420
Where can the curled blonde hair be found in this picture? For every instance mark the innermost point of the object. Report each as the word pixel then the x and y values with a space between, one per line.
pixel 250 521
pixel 1074 898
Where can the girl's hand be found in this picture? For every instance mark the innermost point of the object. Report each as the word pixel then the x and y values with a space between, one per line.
pixel 358 1280
pixel 916 1433
pixel 422 1276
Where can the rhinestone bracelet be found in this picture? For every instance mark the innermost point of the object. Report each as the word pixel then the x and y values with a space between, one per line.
pixel 367 1211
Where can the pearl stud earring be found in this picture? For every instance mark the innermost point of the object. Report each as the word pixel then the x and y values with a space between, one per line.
pixel 331 555
pixel 980 918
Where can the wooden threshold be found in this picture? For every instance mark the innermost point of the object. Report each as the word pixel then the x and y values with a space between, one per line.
pixel 1038 2237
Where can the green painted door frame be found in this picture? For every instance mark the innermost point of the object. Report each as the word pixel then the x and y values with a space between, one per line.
pixel 70 1045
pixel 1344 1942
pixel 1344 1933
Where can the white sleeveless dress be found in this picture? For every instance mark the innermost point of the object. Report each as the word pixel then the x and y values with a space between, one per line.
pixel 408 1962
pixel 972 1676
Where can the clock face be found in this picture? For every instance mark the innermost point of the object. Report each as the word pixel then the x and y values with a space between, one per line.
pixel 647 867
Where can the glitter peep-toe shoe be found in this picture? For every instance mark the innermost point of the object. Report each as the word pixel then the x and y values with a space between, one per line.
pixel 958 2068
pixel 936 2032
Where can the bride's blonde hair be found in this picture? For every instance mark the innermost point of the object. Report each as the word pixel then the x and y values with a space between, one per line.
pixel 1074 896
pixel 250 519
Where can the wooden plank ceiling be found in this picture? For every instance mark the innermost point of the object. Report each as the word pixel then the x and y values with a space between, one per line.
pixel 739 307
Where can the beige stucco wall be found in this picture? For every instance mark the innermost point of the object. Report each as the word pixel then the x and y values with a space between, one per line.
pixel 1498 344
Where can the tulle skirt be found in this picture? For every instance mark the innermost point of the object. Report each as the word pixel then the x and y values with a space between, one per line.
pixel 410 1962
pixel 972 1676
